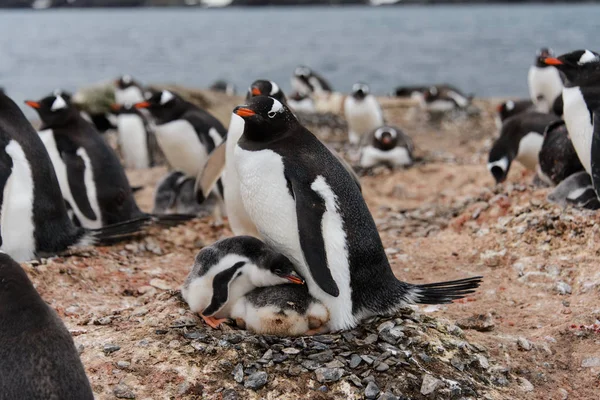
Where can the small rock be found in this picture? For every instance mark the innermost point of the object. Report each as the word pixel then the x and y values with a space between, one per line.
pixel 160 284
pixel 372 390
pixel 386 326
pixel 590 362
pixel 335 364
pixel 372 338
pixel 430 384
pixel 290 351
pixel 230 394
pixel 481 360
pixel 311 365
pixel 122 391
pixel 324 375
pixel 110 348
pixel 355 361
pixel 480 322
pixel 322 357
pixel 382 367
pixel 103 321
pixel 73 310
pixel 563 288
pixel 564 395
pixel 388 396
pixel 268 355
pixel 238 373
pixel 524 344
pixel 256 380
pixel 525 385
pixel 123 364
pixel 367 359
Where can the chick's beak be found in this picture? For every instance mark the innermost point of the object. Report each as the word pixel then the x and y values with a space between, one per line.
pixel 243 112
pixel 294 278
pixel 33 104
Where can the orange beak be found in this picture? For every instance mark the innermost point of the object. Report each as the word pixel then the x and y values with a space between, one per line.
pixel 115 107
pixel 244 112
pixel 143 104
pixel 499 107
pixel 295 279
pixel 386 140
pixel 552 61
pixel 256 91
pixel 33 104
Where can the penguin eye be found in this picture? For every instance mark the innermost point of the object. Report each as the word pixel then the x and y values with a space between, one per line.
pixel 277 271
pixel 271 114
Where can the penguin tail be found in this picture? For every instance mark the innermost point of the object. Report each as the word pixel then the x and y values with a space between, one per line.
pixel 169 220
pixel 118 232
pixel 444 292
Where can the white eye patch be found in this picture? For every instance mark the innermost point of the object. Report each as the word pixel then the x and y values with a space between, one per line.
pixel 302 71
pixel 165 97
pixel 274 88
pixel 510 105
pixel 127 79
pixel 59 103
pixel 588 57
pixel 379 133
pixel 276 108
pixel 433 90
pixel 359 86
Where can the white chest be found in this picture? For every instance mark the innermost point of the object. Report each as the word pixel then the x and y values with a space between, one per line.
pixel 544 86
pixel 182 147
pixel 579 125
pixel 529 150
pixel 363 116
pixel 133 141
pixel 17 226
pixel 131 95
pixel 371 156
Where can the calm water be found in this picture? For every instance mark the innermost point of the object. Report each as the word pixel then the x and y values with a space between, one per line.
pixel 485 50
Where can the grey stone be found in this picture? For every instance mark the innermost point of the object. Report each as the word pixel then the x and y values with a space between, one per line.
pixel 481 322
pixel 372 390
pixel 122 391
pixel 367 359
pixel 524 344
pixel 388 396
pixel 230 394
pixel 290 351
pixel 525 385
pixel 324 375
pixel 590 362
pixel 110 348
pixel 238 373
pixel 563 288
pixel 335 364
pixel 372 338
pixel 386 326
pixel 430 384
pixel 123 364
pixel 256 380
pixel 382 367
pixel 322 357
pixel 355 361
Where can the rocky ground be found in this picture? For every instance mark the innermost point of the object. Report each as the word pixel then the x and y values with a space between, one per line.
pixel 530 332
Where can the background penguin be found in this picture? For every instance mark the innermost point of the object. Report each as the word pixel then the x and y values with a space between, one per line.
pixel 510 108
pixel 90 175
pixel 305 81
pixel 363 113
pixel 521 139
pixel 128 90
pixel 39 359
pixel 557 158
pixel 301 103
pixel 291 186
pixel 229 269
pixel 413 92
pixel 135 137
pixel 185 133
pixel 576 190
pixel 445 98
pixel 33 217
pixel 281 310
pixel 544 81
pixel 176 194
pixel 223 87
pixel 387 145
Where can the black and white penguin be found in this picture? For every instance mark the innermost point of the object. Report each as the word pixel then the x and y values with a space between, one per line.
pixel 306 81
pixel 89 172
pixel 580 71
pixel 281 310
pixel 128 90
pixel 387 145
pixel 223 87
pixel 33 217
pixel 510 108
pixel 175 193
pixel 229 269
pixel 413 92
pixel 544 81
pixel 521 139
pixel 135 136
pixel 301 103
pixel 557 158
pixel 343 262
pixel 185 133
pixel 445 98
pixel 363 113
pixel 39 359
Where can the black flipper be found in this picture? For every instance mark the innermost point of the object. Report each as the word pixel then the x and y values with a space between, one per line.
pixel 310 208
pixel 169 220
pixel 595 157
pixel 75 176
pixel 444 292
pixel 6 165
pixel 220 285
pixel 110 234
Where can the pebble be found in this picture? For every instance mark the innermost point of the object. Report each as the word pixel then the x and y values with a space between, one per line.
pixel 110 348
pixel 123 364
pixel 290 350
pixel 590 362
pixel 563 288
pixel 372 390
pixel 238 373
pixel 564 395
pixel 256 380
pixel 387 325
pixel 322 357
pixel 430 384
pixel 160 284
pixel 367 359
pixel 478 322
pixel 230 394
pixel 372 338
pixel 388 396
pixel 525 385
pixel 355 361
pixel 122 391
pixel 72 310
pixel 324 375
pixel 382 367
pixel 524 344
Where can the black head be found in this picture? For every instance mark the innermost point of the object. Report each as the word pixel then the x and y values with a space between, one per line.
pixel 500 159
pixel 14 283
pixel 303 72
pixel 541 55
pixel 55 109
pixel 360 91
pixel 164 105
pixel 385 138
pixel 125 82
pixel 265 119
pixel 263 87
pixel 578 67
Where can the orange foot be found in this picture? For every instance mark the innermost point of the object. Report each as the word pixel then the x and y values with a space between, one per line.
pixel 213 322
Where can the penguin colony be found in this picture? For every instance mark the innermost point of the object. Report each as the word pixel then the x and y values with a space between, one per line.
pixel 307 257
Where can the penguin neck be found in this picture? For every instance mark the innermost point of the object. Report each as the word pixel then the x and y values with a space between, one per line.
pixel 69 118
pixel 592 79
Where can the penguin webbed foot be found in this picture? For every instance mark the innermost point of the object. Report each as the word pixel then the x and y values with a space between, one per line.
pixel 213 322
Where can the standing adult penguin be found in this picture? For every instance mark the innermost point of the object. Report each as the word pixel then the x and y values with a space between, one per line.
pixel 135 137
pixel 39 359
pixel 363 113
pixel 90 175
pixel 306 205
pixel 33 217
pixel 185 133
pixel 521 139
pixel 128 90
pixel 544 81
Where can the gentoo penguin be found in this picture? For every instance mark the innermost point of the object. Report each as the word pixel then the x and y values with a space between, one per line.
pixel 510 108
pixel 307 206
pixel 128 90
pixel 557 158
pixel 175 194
pixel 39 359
pixel 229 269
pixel 387 145
pixel 444 98
pixel 33 217
pixel 90 174
pixel 306 81
pixel 224 87
pixel 521 139
pixel 544 81
pixel 576 190
pixel 580 71
pixel 281 310
pixel 363 113
pixel 185 133
pixel 134 136
pixel 301 103
pixel 413 92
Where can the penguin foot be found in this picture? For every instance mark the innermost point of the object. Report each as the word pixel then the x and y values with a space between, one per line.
pixel 317 331
pixel 213 322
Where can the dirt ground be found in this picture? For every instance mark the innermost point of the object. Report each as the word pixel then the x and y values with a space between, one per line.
pixel 442 219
